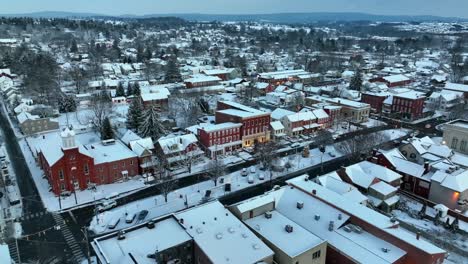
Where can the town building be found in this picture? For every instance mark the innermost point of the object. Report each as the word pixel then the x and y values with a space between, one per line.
pixel 69 165
pixel 220 139
pixel 409 105
pixel 456 135
pixel 350 110
pixel 155 97
pixel 202 81
pixel 179 150
pixel 375 100
pixel 224 74
pixel 34 124
pixel 255 123
pixel 393 80
pixel 449 103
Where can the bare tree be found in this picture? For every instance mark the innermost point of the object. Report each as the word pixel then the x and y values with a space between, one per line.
pixel 78 76
pixel 101 109
pixel 359 145
pixel 323 137
pixel 167 184
pixel 266 154
pixel 215 169
pixel 185 108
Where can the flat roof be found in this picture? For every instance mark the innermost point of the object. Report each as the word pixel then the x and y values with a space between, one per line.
pixel 140 242
pixel 221 236
pixel 273 229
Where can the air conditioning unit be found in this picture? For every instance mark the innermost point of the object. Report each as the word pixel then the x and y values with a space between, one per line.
pixel 300 205
pixel 268 215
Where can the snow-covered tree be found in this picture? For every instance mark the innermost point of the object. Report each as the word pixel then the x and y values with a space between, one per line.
pixel 356 81
pixel 152 125
pixel 172 71
pixel 129 89
pixel 136 89
pixel 135 115
pixel 120 90
pixel 67 104
pixel 106 131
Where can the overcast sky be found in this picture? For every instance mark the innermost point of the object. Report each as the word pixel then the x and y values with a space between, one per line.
pixel 457 8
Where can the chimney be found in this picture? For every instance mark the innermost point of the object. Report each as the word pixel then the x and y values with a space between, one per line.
pixel 374 152
pixel 181 221
pixel 418 234
pixel 427 167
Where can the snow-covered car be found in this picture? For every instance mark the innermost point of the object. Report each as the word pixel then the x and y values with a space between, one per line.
pixel 244 172
pixel 261 176
pixel 250 179
pixel 130 217
pixel 106 205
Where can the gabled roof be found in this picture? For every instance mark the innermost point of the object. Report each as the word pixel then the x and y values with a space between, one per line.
pixel 457 182
pixel 176 144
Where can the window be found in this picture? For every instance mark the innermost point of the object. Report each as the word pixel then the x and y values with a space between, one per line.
pixel 61 174
pixel 316 255
pixel 86 169
pixel 123 164
pixel 72 157
pixel 115 165
pixel 412 155
pixel 463 145
pixel 131 162
pixel 454 143
pixel 101 168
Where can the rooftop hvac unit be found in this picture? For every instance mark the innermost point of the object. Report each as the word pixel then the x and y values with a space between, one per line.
pixel 300 205
pixel 331 225
pixel 340 216
pixel 385 250
pixel 347 229
pixel 288 228
pixel 108 142
pixel 268 215
pixel 121 235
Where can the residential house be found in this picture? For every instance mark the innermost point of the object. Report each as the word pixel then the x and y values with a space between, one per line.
pixel 456 135
pixel 33 124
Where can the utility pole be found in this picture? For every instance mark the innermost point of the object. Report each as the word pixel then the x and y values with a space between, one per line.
pixel 17 250
pixel 85 232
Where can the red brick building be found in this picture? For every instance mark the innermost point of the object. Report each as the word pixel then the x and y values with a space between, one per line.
pixel 393 80
pixel 221 138
pixel 255 123
pixel 70 166
pixel 199 81
pixel 375 100
pixel 409 105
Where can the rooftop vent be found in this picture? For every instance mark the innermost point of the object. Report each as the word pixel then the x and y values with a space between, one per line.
pixel 358 229
pixel 268 215
pixel 300 205
pixel 340 216
pixel 317 217
pixel 199 230
pixel 331 225
pixel 219 236
pixel 385 250
pixel 347 229
pixel 150 224
pixel 288 228
pixel 314 192
pixel 231 230
pixel 256 246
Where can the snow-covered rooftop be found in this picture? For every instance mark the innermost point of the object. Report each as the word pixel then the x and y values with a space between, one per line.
pixel 103 153
pixel 221 236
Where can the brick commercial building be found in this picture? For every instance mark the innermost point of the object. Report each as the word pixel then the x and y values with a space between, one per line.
pixel 198 81
pixel 409 105
pixel 375 100
pixel 221 138
pixel 255 123
pixel 393 80
pixel 71 166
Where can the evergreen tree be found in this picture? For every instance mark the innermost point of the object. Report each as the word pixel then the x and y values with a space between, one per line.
pixel 152 126
pixel 129 89
pixel 356 81
pixel 74 46
pixel 135 115
pixel 107 132
pixel 172 71
pixel 67 104
pixel 120 90
pixel 136 89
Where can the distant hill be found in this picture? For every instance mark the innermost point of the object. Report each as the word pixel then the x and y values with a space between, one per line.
pixel 274 18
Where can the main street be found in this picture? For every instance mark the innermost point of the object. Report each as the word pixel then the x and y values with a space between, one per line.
pixel 39 226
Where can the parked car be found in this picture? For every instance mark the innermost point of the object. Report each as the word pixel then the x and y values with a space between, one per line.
pixel 113 223
pixel 142 214
pixel 250 179
pixel 261 176
pixel 130 217
pixel 106 205
pixel 244 172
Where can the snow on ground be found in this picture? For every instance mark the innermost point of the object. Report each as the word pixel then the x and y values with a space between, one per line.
pixel 373 123
pixel 193 194
pixel 51 202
